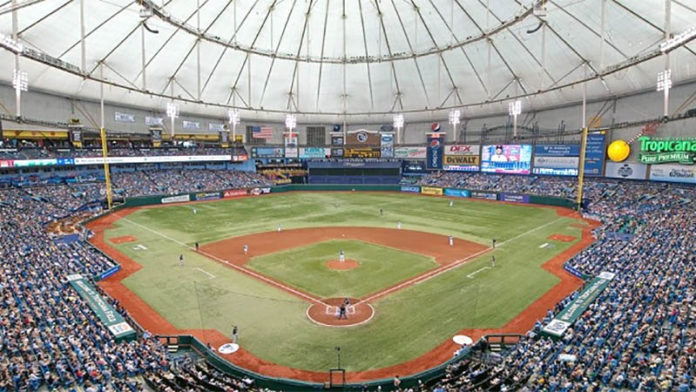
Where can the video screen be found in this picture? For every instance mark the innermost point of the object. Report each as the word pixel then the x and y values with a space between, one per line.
pixel 506 158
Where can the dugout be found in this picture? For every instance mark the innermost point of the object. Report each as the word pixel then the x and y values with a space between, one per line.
pixel 354 171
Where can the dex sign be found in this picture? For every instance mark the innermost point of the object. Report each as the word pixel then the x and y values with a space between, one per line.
pixel 656 151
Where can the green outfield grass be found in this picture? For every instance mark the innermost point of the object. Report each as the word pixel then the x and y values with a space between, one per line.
pixel 407 323
pixel 305 268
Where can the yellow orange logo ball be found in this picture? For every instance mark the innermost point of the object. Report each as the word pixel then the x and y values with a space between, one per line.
pixel 618 151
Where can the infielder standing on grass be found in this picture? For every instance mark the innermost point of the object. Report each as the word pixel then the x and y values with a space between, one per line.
pixel 380 212
pixel 492 261
pixel 451 203
pixel 451 240
pixel 195 211
pixel 279 228
pixel 246 249
pixel 235 332
pixel 398 225
pixel 181 260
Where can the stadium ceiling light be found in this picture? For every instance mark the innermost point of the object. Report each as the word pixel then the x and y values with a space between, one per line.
pixel 664 80
pixel 11 44
pixel 20 80
pixel 515 108
pixel 678 40
pixel 172 113
pixel 454 116
pixel 233 117
pixel 172 110
pixel 290 121
pixel 454 120
pixel 398 121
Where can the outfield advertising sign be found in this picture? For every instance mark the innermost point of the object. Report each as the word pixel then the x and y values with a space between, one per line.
pixel 176 199
pixel 234 193
pixel 656 151
pixel 514 198
pixel 113 321
pixel 387 145
pixel 411 152
pixel 431 190
pixel 633 171
pixel 673 173
pixel 462 157
pixel 314 152
pixel 556 159
pixel 577 307
pixel 594 154
pixel 411 189
pixel 484 195
pixel 457 192
pixel 207 196
pixel 435 152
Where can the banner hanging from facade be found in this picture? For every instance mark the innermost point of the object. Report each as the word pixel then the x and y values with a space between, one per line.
pixel 387 145
pixel 290 139
pixel 435 153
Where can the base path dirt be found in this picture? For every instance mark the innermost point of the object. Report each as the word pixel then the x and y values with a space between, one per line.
pixel 123 240
pixel 150 320
pixel 338 265
pixel 428 244
pixel 561 238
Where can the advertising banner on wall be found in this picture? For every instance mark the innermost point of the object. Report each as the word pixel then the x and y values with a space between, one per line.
pixel 484 195
pixel 461 157
pixel 673 173
pixel 267 152
pixel 435 153
pixel 290 140
pixel 124 117
pixel 672 150
pixel 156 137
pixel 372 152
pixel 457 192
pixel 506 159
pixel 314 152
pixel 108 315
pixel 633 171
pixel 431 190
pixel 387 145
pixel 410 188
pixel 594 154
pixel 557 159
pixel 411 152
pixel 186 124
pixel 337 153
pixel 514 198
pixel 363 138
pixel 151 120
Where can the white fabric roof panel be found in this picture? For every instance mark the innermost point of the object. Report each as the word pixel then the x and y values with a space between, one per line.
pixel 419 57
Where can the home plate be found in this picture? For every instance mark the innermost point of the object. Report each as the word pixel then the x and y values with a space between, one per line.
pixel 462 340
pixel 228 348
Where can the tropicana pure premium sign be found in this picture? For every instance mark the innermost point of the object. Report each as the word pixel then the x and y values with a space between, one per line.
pixel 656 151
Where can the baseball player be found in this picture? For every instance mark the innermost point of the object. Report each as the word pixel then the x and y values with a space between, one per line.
pixel 279 228
pixel 181 260
pixel 492 261
pixel 195 211
pixel 246 249
pixel 341 256
pixel 451 241
pixel 381 212
pixel 342 312
pixel 451 203
pixel 235 334
pixel 196 245
pixel 398 225
pixel 493 243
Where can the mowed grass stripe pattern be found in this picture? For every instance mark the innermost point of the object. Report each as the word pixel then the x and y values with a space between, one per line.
pixel 408 323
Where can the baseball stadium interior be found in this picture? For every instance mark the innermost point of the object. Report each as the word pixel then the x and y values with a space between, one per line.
pixel 353 195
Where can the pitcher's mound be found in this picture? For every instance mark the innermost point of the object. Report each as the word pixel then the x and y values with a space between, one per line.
pixel 344 266
pixel 326 313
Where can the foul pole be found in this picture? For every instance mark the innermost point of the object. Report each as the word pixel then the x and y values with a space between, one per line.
pixel 102 132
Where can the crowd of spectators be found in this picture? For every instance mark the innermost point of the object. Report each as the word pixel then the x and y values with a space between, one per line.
pixel 33 152
pixel 639 334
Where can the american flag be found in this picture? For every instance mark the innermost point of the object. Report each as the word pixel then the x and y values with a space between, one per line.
pixel 262 132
